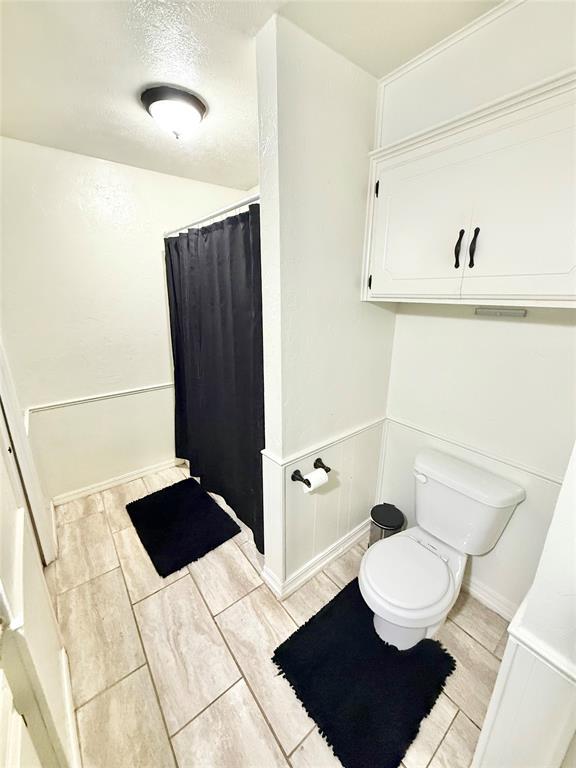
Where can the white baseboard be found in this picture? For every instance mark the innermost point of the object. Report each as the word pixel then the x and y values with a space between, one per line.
pixel 314 566
pixel 272 582
pixel 79 493
pixel 488 597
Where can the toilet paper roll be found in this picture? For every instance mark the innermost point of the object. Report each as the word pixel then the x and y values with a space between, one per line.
pixel 317 477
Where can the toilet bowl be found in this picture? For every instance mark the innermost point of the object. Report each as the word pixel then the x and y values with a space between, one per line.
pixel 411 580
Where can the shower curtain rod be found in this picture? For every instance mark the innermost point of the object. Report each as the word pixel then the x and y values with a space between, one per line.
pixel 216 214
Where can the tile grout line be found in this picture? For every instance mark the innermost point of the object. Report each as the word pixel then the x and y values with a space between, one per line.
pixel 244 555
pixel 60 524
pixel 214 615
pixel 141 599
pixel 145 654
pixel 459 708
pixel 471 636
pixel 258 573
pixel 108 687
pixel 83 583
pixel 445 733
pixel 303 740
pixel 243 676
pixel 220 695
pixel 333 581
pixel 294 619
pixel 259 576
pixel 80 750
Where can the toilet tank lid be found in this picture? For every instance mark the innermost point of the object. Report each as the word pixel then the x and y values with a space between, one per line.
pixel 468 479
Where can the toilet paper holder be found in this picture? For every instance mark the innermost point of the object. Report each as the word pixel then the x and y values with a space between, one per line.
pixel 298 477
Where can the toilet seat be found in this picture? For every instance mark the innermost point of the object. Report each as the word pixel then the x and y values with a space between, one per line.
pixel 406 573
pixel 405 582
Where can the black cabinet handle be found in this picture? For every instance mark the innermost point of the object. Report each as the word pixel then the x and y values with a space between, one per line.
pixel 472 249
pixel 457 250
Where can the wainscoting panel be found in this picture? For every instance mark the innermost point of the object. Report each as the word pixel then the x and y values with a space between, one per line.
pixel 84 443
pixel 501 578
pixel 316 521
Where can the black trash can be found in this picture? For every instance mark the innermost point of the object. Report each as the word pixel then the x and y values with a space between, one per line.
pixel 386 521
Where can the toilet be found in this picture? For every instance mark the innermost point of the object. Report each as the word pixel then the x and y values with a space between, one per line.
pixel 411 580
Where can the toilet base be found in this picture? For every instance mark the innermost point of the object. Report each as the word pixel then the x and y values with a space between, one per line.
pixel 402 637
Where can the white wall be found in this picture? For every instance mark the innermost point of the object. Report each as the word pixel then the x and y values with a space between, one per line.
pixel 84 309
pixel 326 353
pixel 331 376
pixel 504 386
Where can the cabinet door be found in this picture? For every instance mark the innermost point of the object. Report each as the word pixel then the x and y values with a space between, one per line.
pixel 525 208
pixel 417 217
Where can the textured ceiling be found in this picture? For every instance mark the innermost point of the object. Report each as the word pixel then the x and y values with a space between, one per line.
pixel 72 71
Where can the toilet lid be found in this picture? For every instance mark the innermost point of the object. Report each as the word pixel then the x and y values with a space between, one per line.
pixel 406 573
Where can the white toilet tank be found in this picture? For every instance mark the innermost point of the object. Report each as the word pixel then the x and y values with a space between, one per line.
pixel 461 504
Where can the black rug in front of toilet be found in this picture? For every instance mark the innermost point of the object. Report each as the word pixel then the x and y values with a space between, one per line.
pixel 366 697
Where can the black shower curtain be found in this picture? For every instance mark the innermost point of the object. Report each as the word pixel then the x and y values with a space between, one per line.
pixel 215 298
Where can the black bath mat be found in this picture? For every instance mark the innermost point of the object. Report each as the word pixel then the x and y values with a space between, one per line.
pixel 367 697
pixel 180 524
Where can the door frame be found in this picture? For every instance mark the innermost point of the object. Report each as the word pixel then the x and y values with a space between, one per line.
pixel 39 508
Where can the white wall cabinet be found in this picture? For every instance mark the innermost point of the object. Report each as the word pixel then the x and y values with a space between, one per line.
pixel 499 187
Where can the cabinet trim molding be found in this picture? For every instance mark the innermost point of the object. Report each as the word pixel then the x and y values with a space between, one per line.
pixel 562 83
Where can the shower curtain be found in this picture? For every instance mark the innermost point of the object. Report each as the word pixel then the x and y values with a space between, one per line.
pixel 215 299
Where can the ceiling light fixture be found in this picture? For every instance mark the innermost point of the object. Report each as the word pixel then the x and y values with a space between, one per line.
pixel 174 109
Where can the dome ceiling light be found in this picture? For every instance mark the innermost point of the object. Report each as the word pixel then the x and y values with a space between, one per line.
pixel 174 109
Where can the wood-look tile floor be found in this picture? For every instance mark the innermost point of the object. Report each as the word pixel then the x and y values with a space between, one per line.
pixel 176 672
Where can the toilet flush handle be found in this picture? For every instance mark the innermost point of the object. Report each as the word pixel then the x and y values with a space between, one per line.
pixel 420 477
